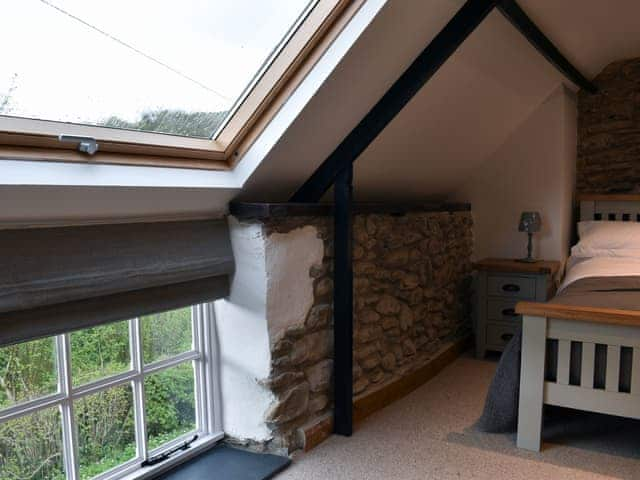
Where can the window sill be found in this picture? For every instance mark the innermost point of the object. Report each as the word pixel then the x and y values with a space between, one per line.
pixel 199 446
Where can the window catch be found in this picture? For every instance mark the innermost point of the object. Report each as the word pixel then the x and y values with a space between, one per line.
pixel 161 457
pixel 86 145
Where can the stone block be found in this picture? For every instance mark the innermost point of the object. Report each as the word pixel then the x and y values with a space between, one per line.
pixel 389 362
pixel 319 375
pixel 369 316
pixel 319 316
pixel 370 362
pixel 388 305
pixel 292 404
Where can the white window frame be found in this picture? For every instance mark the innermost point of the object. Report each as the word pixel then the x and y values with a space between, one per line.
pixel 204 357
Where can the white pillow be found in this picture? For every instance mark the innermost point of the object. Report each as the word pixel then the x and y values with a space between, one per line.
pixel 607 239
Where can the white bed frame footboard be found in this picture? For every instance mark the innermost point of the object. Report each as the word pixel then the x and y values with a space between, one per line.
pixel 590 327
pixel 535 391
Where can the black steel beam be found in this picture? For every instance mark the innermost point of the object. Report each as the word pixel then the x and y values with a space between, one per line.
pixel 519 19
pixel 410 82
pixel 343 303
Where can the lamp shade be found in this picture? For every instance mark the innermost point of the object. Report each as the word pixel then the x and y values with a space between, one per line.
pixel 530 222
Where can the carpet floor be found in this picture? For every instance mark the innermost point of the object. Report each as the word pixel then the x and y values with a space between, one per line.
pixel 428 435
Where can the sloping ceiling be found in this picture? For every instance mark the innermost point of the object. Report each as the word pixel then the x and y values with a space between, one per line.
pixel 463 115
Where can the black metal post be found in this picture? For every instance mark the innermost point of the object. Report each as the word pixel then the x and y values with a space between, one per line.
pixel 343 303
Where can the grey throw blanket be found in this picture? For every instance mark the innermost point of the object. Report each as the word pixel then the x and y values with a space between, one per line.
pixel 500 413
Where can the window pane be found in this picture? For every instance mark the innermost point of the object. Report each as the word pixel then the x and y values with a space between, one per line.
pixel 99 352
pixel 31 447
pixel 27 371
pixel 170 404
pixel 106 430
pixel 178 71
pixel 166 334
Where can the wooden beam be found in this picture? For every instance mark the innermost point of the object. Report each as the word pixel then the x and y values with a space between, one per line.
pixel 519 19
pixel 607 316
pixel 248 210
pixel 343 304
pixel 410 82
pixel 608 197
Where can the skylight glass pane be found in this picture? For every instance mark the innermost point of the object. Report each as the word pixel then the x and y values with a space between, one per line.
pixel 152 65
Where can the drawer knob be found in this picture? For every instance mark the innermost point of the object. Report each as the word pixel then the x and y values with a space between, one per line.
pixel 506 336
pixel 511 287
pixel 509 312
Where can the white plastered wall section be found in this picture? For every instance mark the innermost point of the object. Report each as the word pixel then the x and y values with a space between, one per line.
pixel 270 292
pixel 534 169
pixel 290 256
pixel 243 337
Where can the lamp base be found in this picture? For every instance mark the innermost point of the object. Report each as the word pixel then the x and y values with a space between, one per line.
pixel 527 260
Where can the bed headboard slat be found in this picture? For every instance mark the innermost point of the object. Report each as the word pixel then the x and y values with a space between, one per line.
pixel 622 208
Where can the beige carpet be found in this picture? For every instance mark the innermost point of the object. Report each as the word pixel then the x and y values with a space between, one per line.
pixel 427 435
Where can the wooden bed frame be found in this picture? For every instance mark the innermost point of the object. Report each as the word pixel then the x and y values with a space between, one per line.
pixel 589 326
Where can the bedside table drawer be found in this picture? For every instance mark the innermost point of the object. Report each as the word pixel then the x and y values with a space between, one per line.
pixel 511 286
pixel 502 310
pixel 499 334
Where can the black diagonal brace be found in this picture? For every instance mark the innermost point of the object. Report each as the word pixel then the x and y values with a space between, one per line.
pixel 419 72
pixel 519 19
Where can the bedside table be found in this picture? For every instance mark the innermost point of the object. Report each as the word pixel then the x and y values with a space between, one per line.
pixel 500 284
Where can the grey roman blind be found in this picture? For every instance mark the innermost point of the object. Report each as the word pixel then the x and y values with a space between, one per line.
pixel 54 280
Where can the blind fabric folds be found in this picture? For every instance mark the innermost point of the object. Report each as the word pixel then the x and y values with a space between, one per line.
pixel 54 280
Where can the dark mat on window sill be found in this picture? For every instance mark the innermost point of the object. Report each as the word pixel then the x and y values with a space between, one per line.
pixel 224 462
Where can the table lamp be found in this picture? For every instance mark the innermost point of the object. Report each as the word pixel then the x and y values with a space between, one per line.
pixel 530 222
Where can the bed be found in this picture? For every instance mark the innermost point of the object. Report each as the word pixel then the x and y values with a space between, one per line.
pixel 581 350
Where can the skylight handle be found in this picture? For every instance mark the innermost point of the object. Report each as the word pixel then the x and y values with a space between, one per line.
pixel 86 145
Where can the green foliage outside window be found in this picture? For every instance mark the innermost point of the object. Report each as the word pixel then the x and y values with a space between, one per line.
pixel 176 122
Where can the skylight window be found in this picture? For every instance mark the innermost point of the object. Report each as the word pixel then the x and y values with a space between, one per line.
pixel 194 69
pixel 161 66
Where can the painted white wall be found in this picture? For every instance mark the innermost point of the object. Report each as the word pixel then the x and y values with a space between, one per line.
pixel 533 170
pixel 245 356
pixel 289 287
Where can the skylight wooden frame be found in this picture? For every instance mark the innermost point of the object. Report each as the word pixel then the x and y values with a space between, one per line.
pixel 31 139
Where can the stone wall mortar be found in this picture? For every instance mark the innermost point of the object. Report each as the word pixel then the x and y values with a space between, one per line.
pixel 412 277
pixel 609 131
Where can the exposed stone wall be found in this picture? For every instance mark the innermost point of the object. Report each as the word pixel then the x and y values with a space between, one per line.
pixel 411 294
pixel 609 131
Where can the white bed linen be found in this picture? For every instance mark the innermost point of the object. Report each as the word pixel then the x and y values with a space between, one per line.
pixel 578 268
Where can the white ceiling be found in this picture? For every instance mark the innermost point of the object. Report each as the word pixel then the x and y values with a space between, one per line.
pixel 490 85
